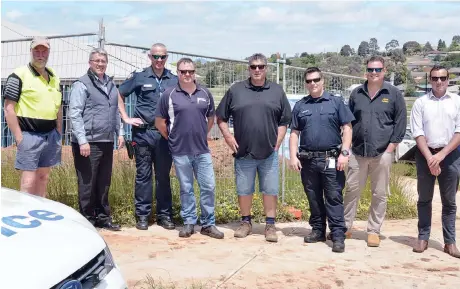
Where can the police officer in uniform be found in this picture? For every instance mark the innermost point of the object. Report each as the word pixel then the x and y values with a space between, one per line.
pixel 149 145
pixel 318 119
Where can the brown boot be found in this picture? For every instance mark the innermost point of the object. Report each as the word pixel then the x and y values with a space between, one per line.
pixel 243 230
pixel 452 250
pixel 270 233
pixel 373 240
pixel 420 246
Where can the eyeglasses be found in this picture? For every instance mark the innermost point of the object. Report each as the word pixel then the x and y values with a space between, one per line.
pixel 315 80
pixel 261 67
pixel 156 57
pixel 184 72
pixel 374 69
pixel 436 78
pixel 99 61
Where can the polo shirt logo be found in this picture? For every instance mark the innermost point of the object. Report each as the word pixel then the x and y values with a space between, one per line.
pixel 385 100
pixel 147 85
pixel 305 111
pixel 202 99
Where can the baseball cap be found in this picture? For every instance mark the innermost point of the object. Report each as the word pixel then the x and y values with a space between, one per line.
pixel 40 40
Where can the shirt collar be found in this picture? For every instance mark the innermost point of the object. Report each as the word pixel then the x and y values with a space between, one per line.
pixel 106 78
pixel 35 72
pixel 198 87
pixel 432 96
pixel 166 73
pixel 325 96
pixel 385 86
pixel 249 84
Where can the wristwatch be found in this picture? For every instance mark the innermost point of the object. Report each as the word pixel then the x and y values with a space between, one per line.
pixel 345 153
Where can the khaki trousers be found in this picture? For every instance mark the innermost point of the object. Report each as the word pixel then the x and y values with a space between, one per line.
pixel 378 169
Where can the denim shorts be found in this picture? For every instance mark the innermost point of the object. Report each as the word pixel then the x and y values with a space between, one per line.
pixel 267 170
pixel 38 150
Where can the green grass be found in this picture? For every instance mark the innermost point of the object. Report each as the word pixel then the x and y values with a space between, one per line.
pixel 63 188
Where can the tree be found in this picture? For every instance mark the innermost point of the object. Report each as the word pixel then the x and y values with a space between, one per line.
pixel 411 47
pixel 303 54
pixel 363 49
pixel 373 46
pixel 398 56
pixel 427 47
pixel 392 45
pixel 346 50
pixel 211 78
pixel 441 45
pixel 455 45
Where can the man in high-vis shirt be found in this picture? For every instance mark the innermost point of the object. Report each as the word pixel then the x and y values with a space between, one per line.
pixel 33 113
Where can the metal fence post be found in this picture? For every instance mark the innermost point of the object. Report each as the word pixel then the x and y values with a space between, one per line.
pixel 277 71
pixel 101 34
pixel 283 178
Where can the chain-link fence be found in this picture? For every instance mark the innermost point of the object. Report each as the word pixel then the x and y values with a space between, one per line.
pixel 69 57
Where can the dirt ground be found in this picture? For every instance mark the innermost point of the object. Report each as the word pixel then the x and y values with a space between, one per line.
pixel 254 263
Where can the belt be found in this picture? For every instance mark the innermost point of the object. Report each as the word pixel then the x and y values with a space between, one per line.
pixel 317 154
pixel 146 126
pixel 436 150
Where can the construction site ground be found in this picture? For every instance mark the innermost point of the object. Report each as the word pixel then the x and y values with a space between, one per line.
pixel 290 263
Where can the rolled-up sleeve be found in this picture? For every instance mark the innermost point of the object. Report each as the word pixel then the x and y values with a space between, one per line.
pixel 286 112
pixel 78 96
pixel 400 121
pixel 416 120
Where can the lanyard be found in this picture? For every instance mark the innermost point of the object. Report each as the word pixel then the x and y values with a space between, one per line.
pixel 159 84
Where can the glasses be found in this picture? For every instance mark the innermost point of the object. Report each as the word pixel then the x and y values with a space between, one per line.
pixel 254 67
pixel 315 80
pixel 374 70
pixel 162 57
pixel 99 61
pixel 436 78
pixel 184 72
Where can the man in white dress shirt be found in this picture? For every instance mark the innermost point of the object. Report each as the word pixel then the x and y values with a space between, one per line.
pixel 435 125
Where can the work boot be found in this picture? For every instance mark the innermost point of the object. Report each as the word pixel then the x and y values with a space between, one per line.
pixel 212 232
pixel 338 246
pixel 315 236
pixel 243 230
pixel 270 233
pixel 187 231
pixel 142 223
pixel 347 235
pixel 421 246
pixel 166 223
pixel 452 250
pixel 373 240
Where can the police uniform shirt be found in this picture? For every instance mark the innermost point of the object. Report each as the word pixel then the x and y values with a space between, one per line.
pixel 148 89
pixel 37 100
pixel 319 121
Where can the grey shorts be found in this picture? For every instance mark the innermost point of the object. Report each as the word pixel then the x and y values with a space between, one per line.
pixel 38 150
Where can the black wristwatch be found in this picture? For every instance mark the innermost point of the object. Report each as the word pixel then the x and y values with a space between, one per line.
pixel 345 153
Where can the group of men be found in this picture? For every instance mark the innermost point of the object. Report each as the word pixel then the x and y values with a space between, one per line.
pixel 174 114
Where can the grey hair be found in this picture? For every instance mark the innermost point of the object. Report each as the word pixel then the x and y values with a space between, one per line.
pixel 99 51
pixel 257 56
pixel 159 45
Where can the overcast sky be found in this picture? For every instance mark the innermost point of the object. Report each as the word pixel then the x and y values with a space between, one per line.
pixel 238 29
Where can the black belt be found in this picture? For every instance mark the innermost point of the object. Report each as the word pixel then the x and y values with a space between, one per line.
pixel 146 126
pixel 317 154
pixel 436 150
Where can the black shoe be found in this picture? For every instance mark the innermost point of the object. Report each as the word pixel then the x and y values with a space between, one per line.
pixel 338 246
pixel 315 236
pixel 110 226
pixel 187 231
pixel 166 223
pixel 212 232
pixel 142 223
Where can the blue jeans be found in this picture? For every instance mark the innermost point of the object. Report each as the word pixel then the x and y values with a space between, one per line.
pixel 200 165
pixel 267 170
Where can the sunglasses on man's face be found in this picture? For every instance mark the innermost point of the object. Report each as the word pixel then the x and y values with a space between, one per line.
pixel 374 70
pixel 162 57
pixel 254 67
pixel 436 78
pixel 184 72
pixel 315 80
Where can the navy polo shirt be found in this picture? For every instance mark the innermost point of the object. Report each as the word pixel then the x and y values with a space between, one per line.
pixel 186 116
pixel 319 121
pixel 148 89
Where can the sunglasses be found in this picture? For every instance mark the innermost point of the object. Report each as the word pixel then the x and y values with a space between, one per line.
pixel 261 67
pixel 184 72
pixel 162 57
pixel 436 78
pixel 315 80
pixel 374 69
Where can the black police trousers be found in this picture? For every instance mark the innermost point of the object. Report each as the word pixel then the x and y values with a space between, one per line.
pixel 323 187
pixel 150 147
pixel 94 177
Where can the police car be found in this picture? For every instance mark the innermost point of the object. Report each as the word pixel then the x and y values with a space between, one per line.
pixel 45 244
